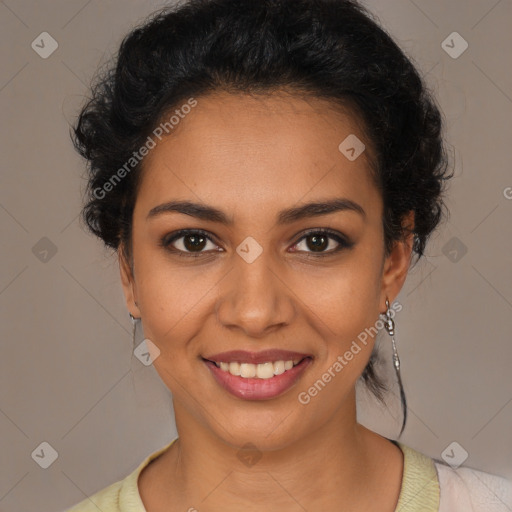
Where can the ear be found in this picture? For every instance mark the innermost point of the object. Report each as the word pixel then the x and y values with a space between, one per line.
pixel 396 265
pixel 128 282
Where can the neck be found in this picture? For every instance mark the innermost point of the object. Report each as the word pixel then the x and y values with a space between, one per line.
pixel 342 462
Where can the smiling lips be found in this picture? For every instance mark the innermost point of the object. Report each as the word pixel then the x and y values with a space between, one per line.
pixel 257 375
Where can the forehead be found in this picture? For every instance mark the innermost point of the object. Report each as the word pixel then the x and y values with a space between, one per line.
pixel 261 151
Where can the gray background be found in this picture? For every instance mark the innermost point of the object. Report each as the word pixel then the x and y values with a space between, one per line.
pixel 67 373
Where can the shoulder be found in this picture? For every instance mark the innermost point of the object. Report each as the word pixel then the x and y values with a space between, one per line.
pixel 121 496
pixel 471 490
pixel 432 485
pixel 106 500
pixel 420 485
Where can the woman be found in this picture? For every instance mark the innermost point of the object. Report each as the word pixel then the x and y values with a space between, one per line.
pixel 266 171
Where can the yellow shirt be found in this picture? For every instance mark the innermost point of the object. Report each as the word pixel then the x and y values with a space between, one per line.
pixel 419 492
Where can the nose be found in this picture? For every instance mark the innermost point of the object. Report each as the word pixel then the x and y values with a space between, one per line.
pixel 255 298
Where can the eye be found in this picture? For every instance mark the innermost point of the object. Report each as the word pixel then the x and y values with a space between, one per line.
pixel 193 242
pixel 190 242
pixel 320 240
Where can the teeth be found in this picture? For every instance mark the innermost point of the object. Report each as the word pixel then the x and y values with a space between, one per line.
pixel 261 371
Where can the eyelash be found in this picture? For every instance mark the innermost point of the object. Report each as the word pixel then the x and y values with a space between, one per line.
pixel 168 239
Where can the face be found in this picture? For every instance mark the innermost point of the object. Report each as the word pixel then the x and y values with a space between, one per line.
pixel 257 270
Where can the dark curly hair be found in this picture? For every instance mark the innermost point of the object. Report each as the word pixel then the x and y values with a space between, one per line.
pixel 329 49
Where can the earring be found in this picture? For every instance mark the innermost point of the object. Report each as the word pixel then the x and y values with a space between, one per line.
pixel 133 318
pixel 134 323
pixel 134 330
pixel 390 328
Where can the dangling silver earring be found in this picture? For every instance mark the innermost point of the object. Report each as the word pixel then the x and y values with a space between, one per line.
pixel 133 318
pixel 134 323
pixel 390 328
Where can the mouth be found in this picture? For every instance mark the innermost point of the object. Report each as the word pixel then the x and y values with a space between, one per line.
pixel 261 381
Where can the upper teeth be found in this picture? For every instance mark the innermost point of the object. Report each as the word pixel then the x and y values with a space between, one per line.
pixel 262 371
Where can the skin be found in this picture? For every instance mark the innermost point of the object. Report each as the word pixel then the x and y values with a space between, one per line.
pixel 251 158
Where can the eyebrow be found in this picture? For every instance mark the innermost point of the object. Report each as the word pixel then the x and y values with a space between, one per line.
pixel 288 216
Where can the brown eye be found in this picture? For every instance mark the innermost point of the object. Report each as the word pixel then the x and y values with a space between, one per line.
pixel 194 242
pixel 187 242
pixel 319 241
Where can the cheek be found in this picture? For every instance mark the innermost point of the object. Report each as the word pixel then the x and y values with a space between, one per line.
pixel 345 298
pixel 174 300
pixel 343 307
pixel 344 311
